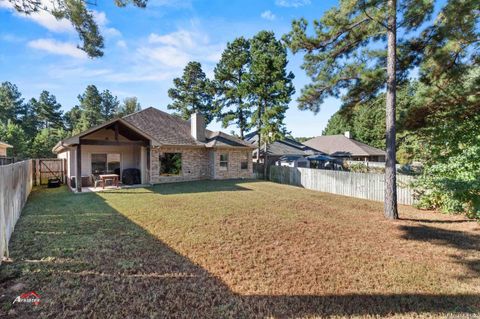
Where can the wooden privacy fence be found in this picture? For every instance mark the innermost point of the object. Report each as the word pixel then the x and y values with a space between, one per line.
pixel 16 182
pixel 362 185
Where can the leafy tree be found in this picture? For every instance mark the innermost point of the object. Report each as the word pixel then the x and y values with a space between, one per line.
pixel 77 12
pixel 110 105
pixel 11 102
pixel 48 111
pixel 270 87
pixel 340 122
pixel 193 92
pixel 347 55
pixel 130 105
pixel 91 109
pixel 45 141
pixel 231 81
pixel 28 119
pixel 446 118
pixel 14 135
pixel 72 118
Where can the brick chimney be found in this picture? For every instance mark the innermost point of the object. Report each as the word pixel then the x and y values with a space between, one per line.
pixel 197 127
pixel 348 134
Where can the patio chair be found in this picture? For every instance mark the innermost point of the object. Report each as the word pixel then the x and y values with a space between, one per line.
pixel 97 181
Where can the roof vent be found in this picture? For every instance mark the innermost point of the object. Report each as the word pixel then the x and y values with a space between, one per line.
pixel 348 134
pixel 197 127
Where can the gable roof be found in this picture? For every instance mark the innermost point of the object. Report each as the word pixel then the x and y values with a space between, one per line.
pixel 340 145
pixel 170 129
pixel 161 128
pixel 286 146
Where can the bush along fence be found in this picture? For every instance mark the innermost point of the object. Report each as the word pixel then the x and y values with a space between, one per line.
pixel 362 185
pixel 16 181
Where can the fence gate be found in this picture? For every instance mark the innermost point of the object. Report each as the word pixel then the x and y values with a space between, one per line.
pixel 49 168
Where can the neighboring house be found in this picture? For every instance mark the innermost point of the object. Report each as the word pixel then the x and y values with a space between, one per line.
pixel 3 149
pixel 345 147
pixel 161 147
pixel 277 149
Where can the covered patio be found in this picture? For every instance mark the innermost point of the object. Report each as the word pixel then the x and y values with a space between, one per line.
pixel 105 156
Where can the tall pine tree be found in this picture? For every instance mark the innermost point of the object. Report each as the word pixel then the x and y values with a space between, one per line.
pixel 48 111
pixel 231 79
pixel 91 109
pixel 270 87
pixel 193 92
pixel 11 103
pixel 354 43
pixel 130 105
pixel 110 105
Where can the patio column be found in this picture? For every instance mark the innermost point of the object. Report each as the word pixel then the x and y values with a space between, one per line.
pixel 79 168
pixel 148 148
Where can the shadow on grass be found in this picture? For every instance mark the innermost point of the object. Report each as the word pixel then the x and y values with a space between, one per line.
pixel 439 221
pixel 452 238
pixel 202 186
pixel 86 259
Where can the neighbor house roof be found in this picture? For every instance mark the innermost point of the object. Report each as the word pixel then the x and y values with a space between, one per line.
pixel 286 146
pixel 5 145
pixel 342 146
pixel 161 128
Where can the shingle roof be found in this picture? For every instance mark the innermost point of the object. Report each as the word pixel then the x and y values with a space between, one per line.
pixel 5 145
pixel 164 129
pixel 287 146
pixel 340 145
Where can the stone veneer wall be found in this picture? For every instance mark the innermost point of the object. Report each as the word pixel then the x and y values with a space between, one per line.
pixel 200 163
pixel 234 169
pixel 195 164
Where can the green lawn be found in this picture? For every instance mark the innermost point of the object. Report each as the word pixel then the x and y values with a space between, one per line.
pixel 236 249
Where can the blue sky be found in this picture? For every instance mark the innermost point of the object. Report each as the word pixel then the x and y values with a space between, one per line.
pixel 146 48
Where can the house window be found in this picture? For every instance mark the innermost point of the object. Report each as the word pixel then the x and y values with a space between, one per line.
pixel 106 163
pixel 170 164
pixel 99 163
pixel 244 161
pixel 223 162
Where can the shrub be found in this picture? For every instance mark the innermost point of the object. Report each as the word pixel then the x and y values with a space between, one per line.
pixel 452 186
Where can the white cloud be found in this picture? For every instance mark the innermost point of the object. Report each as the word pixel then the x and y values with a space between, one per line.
pixel 167 56
pixel 101 19
pixel 179 39
pixel 42 18
pixel 121 44
pixel 176 49
pixel 292 3
pixel 7 37
pixel 48 21
pixel 57 47
pixel 268 15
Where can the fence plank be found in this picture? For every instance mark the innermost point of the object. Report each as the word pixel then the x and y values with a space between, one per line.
pixel 16 181
pixel 361 185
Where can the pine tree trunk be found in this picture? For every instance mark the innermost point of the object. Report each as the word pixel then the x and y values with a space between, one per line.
pixel 390 166
pixel 259 148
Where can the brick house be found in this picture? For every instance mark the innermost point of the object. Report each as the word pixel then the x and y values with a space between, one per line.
pixel 161 147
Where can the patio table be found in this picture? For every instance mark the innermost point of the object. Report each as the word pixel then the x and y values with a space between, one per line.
pixel 113 177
